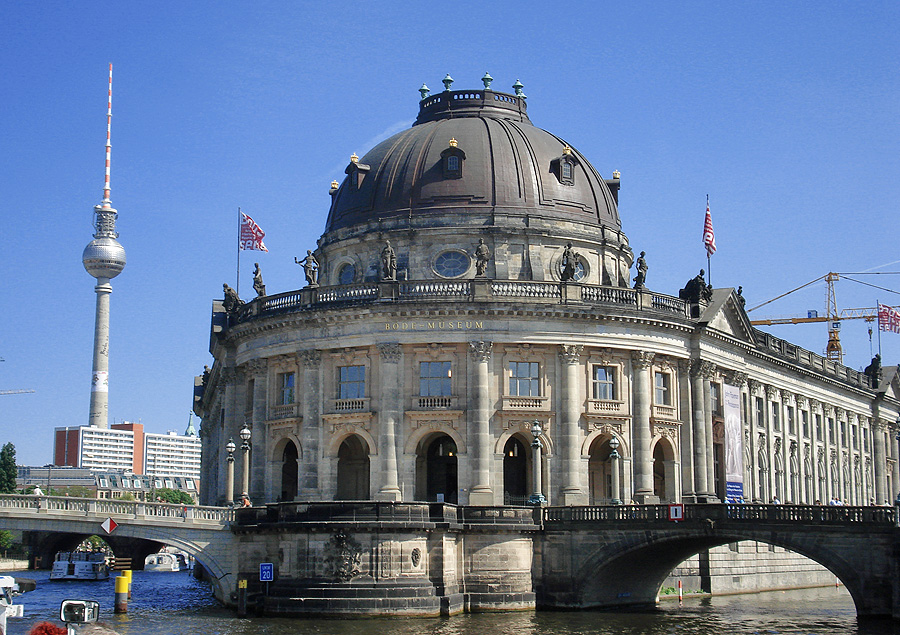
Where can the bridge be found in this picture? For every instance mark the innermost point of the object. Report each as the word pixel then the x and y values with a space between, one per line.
pixel 579 557
pixel 60 523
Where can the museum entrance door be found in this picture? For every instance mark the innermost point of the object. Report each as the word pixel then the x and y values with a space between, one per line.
pixel 440 470
pixel 289 472
pixel 352 470
pixel 600 473
pixel 515 472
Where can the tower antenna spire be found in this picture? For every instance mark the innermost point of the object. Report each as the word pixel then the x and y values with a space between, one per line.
pixel 106 202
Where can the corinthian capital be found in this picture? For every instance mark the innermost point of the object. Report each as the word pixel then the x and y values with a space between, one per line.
pixel 570 353
pixel 641 359
pixel 390 352
pixel 310 359
pixel 481 351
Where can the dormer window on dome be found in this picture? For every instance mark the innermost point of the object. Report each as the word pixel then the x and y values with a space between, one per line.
pixel 356 171
pixel 452 161
pixel 563 166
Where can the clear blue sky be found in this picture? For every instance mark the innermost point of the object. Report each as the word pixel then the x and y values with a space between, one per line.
pixel 786 113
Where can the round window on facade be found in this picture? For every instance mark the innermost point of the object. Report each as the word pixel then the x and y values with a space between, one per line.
pixel 347 274
pixel 451 264
pixel 580 270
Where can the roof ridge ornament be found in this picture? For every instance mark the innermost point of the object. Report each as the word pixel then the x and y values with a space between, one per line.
pixel 518 86
pixel 486 80
pixel 354 158
pixel 453 142
pixel 424 91
pixel 447 81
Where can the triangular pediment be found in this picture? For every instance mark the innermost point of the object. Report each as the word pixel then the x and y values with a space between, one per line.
pixel 890 382
pixel 725 315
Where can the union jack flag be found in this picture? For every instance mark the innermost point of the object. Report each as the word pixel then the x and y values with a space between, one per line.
pixel 888 318
pixel 709 236
pixel 251 234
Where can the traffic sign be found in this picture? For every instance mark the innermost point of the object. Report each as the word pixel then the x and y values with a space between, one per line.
pixel 266 572
pixel 676 512
pixel 109 525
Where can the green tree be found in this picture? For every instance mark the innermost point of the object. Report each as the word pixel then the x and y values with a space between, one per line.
pixel 6 540
pixel 8 469
pixel 174 496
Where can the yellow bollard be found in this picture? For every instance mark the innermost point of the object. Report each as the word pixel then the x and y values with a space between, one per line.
pixel 121 594
pixel 127 574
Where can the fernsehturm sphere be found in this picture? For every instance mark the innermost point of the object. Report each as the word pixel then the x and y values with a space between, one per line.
pixel 103 258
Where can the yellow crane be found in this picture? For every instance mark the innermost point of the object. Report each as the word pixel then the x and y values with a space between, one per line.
pixel 833 316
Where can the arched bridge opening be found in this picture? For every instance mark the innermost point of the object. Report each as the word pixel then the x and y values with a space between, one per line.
pixel 620 556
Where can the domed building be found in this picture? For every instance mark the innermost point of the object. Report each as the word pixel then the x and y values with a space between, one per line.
pixel 472 297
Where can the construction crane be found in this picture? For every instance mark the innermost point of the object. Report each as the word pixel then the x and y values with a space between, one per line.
pixel 833 316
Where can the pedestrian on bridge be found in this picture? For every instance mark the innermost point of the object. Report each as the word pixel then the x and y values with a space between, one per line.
pixel 37 491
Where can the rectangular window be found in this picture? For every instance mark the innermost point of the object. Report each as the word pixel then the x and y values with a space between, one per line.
pixel 169 484
pixel 804 420
pixel 663 389
pixel 760 412
pixel 843 434
pixel 604 382
pixel 865 436
pixel 434 379
pixel 830 430
pixel 776 421
pixel 524 379
pixel 854 438
pixel 352 382
pixel 286 387
pixel 791 423
pixel 715 401
pixel 819 427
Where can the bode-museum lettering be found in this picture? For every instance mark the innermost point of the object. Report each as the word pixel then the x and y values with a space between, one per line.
pixel 434 325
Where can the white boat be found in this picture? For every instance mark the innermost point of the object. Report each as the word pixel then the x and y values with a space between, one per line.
pixel 80 565
pixel 10 587
pixel 162 562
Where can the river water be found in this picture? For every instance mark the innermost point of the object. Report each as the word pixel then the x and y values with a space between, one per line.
pixel 177 604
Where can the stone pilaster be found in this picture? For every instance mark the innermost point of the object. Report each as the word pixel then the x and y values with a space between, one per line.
pixel 258 368
pixel 879 460
pixel 310 433
pixel 698 428
pixel 572 493
pixel 227 426
pixel 388 420
pixel 481 492
pixel 686 442
pixel 641 362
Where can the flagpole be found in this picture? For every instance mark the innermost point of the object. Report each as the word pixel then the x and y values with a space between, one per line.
pixel 708 255
pixel 238 273
pixel 878 311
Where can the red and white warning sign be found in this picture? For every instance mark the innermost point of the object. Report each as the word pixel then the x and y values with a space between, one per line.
pixel 109 525
pixel 676 512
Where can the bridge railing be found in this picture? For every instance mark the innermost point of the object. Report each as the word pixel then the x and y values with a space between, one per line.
pixel 117 508
pixel 818 514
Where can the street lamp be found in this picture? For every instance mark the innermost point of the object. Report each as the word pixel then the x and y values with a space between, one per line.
pixel 229 473
pixel 614 468
pixel 245 447
pixel 537 498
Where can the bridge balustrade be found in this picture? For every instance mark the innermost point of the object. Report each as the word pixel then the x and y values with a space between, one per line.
pixel 102 507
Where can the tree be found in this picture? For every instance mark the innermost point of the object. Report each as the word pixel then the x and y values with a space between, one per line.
pixel 8 469
pixel 6 540
pixel 174 496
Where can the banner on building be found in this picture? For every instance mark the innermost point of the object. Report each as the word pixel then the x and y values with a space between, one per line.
pixel 734 444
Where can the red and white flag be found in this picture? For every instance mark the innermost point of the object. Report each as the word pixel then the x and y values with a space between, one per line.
pixel 709 236
pixel 888 318
pixel 251 234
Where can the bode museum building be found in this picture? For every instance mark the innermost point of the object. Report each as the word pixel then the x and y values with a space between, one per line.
pixel 473 296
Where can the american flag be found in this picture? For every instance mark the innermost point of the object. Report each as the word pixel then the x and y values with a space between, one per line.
pixel 709 236
pixel 888 318
pixel 251 234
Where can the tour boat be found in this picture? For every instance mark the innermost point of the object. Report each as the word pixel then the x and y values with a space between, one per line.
pixel 80 565
pixel 10 587
pixel 162 562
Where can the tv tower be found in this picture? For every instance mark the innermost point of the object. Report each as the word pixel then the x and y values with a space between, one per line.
pixel 103 258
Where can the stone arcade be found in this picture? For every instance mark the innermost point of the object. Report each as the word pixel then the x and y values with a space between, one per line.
pixel 473 279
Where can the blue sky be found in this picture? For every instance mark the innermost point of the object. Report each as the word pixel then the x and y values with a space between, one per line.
pixel 785 113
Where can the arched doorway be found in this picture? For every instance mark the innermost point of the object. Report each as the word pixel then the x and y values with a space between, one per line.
pixel 600 473
pixel 352 470
pixel 289 472
pixel 515 472
pixel 664 472
pixel 440 470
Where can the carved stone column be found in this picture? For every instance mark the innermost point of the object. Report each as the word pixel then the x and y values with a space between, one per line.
pixel 228 428
pixel 640 429
pixel 258 368
pixel 572 493
pixel 709 370
pixel 308 469
pixel 481 492
pixel 698 427
pixel 880 460
pixel 388 420
pixel 686 438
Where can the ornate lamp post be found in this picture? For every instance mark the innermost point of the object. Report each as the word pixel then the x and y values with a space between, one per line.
pixel 245 447
pixel 229 473
pixel 614 469
pixel 537 498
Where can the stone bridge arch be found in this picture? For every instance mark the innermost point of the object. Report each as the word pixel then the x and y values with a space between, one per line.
pixel 625 566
